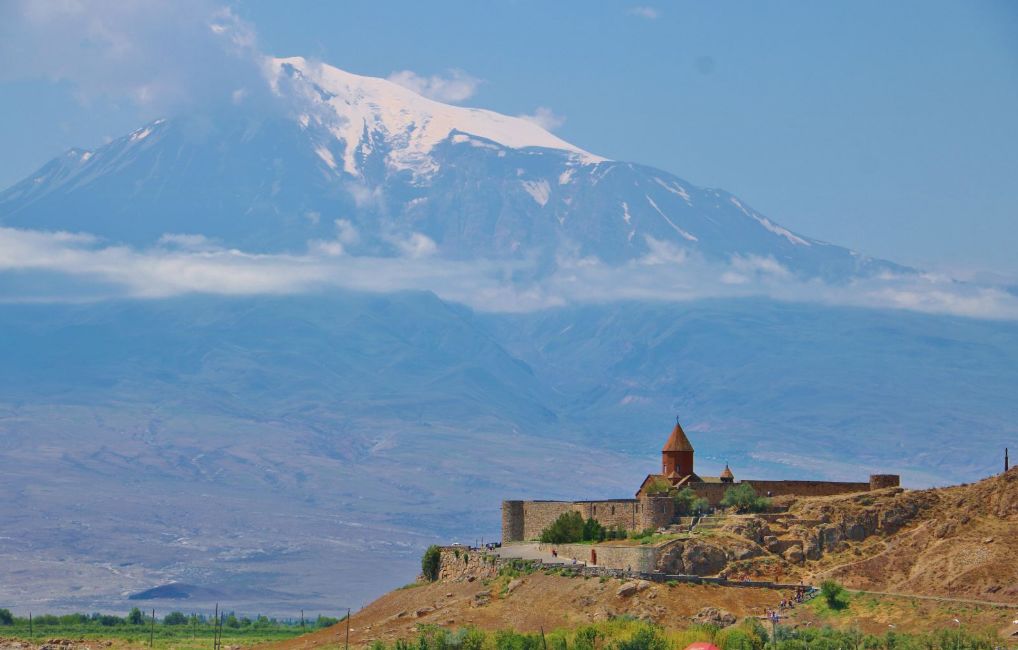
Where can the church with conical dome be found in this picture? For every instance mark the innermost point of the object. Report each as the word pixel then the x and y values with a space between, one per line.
pixel 654 506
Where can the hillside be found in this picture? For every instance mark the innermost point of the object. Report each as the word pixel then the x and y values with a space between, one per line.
pixel 956 543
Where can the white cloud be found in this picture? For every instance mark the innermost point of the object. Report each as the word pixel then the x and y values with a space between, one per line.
pixel 417 245
pixel 645 11
pixel 186 242
pixel 184 264
pixel 455 87
pixel 545 118
pixel 132 50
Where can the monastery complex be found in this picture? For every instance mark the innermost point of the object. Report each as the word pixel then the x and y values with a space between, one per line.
pixel 524 520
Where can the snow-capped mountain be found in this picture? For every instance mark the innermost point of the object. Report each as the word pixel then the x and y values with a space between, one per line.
pixel 393 165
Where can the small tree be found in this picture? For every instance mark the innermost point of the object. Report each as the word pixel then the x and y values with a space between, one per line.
pixel 833 593
pixel 135 617
pixel 743 498
pixel 431 562
pixel 6 618
pixel 567 528
pixel 593 531
pixel 175 618
pixel 686 501
pixel 658 485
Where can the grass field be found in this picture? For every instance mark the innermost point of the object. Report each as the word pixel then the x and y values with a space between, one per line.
pixel 176 630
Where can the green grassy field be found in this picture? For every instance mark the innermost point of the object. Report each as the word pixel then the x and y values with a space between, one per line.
pixel 175 630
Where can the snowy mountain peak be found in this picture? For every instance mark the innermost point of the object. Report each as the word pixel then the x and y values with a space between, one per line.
pixel 366 113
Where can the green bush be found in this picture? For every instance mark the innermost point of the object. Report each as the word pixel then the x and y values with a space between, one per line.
pixel 833 594
pixel 431 562
pixel 658 486
pixel 645 638
pixel 567 528
pixel 687 503
pixel 743 498
pixel 593 531
pixel 6 618
pixel 175 618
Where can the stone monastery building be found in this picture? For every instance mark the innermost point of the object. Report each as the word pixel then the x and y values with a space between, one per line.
pixel 652 508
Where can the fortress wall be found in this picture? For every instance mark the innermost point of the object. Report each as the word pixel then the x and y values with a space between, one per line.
pixel 629 558
pixel 620 512
pixel 656 512
pixel 512 521
pixel 881 481
pixel 714 492
pixel 524 520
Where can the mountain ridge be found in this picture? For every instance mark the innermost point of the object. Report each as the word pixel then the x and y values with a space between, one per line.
pixel 392 166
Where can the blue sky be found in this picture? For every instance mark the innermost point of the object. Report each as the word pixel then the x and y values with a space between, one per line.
pixel 887 127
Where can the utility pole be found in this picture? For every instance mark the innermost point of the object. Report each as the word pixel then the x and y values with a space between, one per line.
pixel 347 628
pixel 152 630
pixel 31 634
pixel 302 621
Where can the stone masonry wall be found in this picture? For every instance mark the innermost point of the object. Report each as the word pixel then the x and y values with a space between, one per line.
pixel 639 559
pixel 714 492
pixel 524 520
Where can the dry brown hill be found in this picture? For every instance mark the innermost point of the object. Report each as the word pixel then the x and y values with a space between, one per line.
pixel 957 542
pixel 960 541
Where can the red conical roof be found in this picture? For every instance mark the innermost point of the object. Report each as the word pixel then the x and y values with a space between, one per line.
pixel 678 440
pixel 727 473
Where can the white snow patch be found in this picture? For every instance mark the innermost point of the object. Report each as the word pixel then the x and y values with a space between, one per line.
pixel 770 225
pixel 538 190
pixel 676 189
pixel 85 156
pixel 326 156
pixel 565 177
pixel 682 232
pixel 410 123
pixel 628 218
pixel 141 134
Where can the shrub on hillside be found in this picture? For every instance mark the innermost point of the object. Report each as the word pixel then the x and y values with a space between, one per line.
pixel 645 638
pixel 431 562
pixel 833 594
pixel 743 498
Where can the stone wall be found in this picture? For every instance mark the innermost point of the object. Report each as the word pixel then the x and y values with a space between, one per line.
pixel 458 563
pixel 524 520
pixel 714 492
pixel 636 559
pixel 881 481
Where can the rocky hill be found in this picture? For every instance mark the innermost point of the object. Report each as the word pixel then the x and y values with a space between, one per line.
pixel 951 547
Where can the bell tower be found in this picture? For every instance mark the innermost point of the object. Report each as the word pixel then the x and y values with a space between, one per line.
pixel 677 455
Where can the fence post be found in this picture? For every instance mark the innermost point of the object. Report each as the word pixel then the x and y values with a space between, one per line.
pixel 152 630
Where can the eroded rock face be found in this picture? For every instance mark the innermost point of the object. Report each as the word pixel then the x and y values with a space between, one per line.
pixel 627 589
pixel 714 616
pixel 702 558
pixel 752 528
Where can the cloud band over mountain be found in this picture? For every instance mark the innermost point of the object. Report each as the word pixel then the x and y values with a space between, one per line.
pixel 77 266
